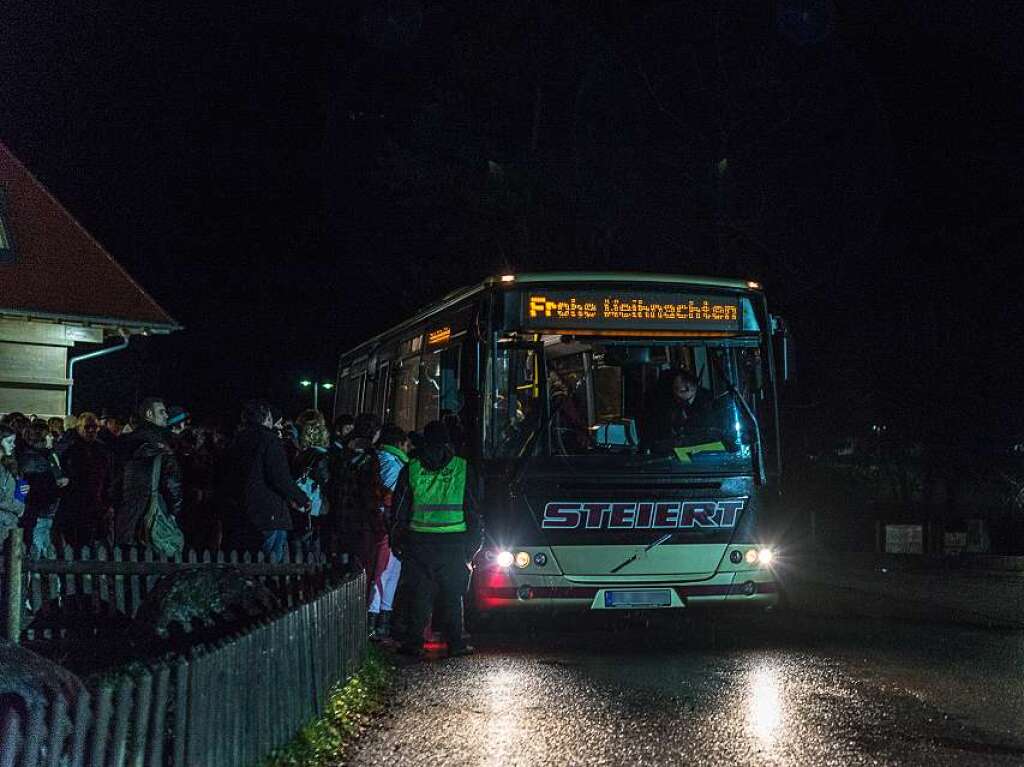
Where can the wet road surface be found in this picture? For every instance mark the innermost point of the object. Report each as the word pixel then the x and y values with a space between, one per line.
pixel 729 689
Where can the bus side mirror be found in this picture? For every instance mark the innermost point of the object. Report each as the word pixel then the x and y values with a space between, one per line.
pixel 785 352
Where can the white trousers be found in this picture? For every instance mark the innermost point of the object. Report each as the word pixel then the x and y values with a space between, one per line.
pixel 382 598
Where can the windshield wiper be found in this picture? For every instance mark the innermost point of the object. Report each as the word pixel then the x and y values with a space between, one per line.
pixel 635 557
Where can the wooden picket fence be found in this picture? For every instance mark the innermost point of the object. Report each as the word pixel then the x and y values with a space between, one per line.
pixel 115 580
pixel 227 704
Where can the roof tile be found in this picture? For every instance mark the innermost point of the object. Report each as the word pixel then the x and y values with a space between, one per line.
pixel 59 269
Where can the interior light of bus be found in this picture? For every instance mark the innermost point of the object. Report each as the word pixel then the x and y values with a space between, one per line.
pixel 751 556
pixel 508 278
pixel 504 559
pixel 522 559
pixel 753 285
pixel 439 336
pixel 765 556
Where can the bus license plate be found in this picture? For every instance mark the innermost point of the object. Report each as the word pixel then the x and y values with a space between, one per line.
pixel 645 598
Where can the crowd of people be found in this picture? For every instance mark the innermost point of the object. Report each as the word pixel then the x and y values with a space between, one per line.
pixel 362 494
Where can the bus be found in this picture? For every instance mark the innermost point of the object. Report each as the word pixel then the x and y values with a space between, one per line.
pixel 594 494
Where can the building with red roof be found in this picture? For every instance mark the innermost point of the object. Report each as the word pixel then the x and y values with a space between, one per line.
pixel 58 288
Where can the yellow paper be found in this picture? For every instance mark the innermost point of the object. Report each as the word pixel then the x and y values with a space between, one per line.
pixel 684 454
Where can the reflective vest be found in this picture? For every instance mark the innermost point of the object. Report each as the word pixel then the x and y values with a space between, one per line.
pixel 437 497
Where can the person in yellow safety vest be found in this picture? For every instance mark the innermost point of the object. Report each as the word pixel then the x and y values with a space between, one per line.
pixel 436 534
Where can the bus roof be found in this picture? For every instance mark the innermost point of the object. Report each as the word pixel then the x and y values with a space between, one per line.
pixel 510 281
pixel 674 279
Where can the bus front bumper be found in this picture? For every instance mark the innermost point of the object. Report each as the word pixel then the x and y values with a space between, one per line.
pixel 499 590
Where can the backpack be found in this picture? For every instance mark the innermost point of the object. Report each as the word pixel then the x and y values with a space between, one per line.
pixel 159 529
pixel 312 488
pixel 349 475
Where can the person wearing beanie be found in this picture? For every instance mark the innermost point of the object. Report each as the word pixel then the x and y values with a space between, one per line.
pixel 177 419
pixel 437 532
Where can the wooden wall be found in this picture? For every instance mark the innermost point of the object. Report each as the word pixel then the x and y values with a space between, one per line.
pixel 33 365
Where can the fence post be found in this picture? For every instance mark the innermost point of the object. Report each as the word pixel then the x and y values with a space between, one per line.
pixel 15 554
pixel 182 699
pixel 10 739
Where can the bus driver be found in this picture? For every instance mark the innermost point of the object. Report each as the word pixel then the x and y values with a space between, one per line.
pixel 679 403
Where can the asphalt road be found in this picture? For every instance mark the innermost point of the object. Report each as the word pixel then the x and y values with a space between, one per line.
pixel 720 690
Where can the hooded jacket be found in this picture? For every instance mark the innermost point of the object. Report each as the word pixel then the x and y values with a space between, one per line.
pixel 132 483
pixel 434 458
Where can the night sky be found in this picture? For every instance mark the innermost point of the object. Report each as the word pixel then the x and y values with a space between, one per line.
pixel 286 185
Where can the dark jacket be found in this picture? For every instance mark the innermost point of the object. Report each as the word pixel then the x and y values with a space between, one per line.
pixel 65 441
pixel 435 457
pixel 354 490
pixel 89 466
pixel 668 417
pixel 258 484
pixel 41 473
pixel 134 478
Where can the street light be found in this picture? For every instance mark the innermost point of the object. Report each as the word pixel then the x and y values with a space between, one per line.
pixel 316 390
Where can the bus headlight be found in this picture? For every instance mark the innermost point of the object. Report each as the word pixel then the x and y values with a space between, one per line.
pixel 765 556
pixel 504 559
pixel 522 559
pixel 751 556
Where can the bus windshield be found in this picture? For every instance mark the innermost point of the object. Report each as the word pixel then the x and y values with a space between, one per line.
pixel 681 404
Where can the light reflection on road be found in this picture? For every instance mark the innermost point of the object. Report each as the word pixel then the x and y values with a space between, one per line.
pixel 502 721
pixel 765 713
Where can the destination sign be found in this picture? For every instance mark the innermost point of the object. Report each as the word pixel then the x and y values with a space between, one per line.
pixel 641 310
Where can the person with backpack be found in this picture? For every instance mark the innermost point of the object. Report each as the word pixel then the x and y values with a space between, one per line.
pixel 312 472
pixel 148 471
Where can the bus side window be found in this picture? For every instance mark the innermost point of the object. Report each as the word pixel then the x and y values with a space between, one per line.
pixel 381 403
pixel 438 385
pixel 348 392
pixel 451 359
pixel 369 393
pixel 428 389
pixel 358 401
pixel 403 393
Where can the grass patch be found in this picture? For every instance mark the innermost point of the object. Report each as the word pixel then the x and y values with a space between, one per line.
pixel 348 707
